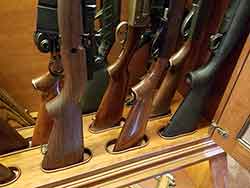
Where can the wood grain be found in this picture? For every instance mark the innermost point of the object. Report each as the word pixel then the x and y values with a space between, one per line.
pixel 65 144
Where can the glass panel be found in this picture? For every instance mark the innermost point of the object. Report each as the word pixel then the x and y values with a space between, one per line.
pixel 244 134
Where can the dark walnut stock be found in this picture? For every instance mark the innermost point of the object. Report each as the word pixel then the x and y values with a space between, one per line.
pixel 65 145
pixel 134 129
pixel 110 110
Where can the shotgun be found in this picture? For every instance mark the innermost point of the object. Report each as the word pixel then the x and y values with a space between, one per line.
pixel 109 113
pixel 10 139
pixel 163 97
pixel 233 27
pixel 133 131
pixel 49 87
pixel 65 144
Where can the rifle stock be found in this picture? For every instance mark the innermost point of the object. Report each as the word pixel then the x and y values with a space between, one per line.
pixel 110 110
pixel 109 17
pixel 134 128
pixel 10 139
pixel 233 27
pixel 109 113
pixel 65 144
pixel 200 14
pixel 48 85
pixel 162 99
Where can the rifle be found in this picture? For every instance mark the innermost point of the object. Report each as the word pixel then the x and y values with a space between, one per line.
pixel 99 44
pixel 142 60
pixel 89 38
pixel 133 131
pixel 109 17
pixel 49 86
pixel 109 113
pixel 232 29
pixel 163 97
pixel 96 66
pixel 10 139
pixel 65 144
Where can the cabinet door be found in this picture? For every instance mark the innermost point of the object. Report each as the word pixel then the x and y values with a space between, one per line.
pixel 233 116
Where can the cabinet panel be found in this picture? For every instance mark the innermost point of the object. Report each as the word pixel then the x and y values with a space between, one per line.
pixel 233 113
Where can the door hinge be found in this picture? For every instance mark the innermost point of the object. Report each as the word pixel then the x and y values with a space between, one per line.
pixel 214 127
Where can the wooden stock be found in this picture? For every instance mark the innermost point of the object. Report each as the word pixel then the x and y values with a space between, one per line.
pixel 110 110
pixel 10 139
pixel 48 85
pixel 139 65
pixel 164 96
pixel 134 128
pixel 65 145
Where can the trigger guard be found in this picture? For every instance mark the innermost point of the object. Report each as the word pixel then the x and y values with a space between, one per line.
pixel 117 32
pixel 185 27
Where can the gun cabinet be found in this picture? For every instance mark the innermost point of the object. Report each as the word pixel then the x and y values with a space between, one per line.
pixel 159 156
pixel 223 128
pixel 230 128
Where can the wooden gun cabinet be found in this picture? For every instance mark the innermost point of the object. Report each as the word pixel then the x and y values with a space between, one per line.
pixel 159 155
pixel 229 128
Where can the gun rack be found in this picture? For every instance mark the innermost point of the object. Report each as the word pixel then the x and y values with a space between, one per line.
pixel 111 170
